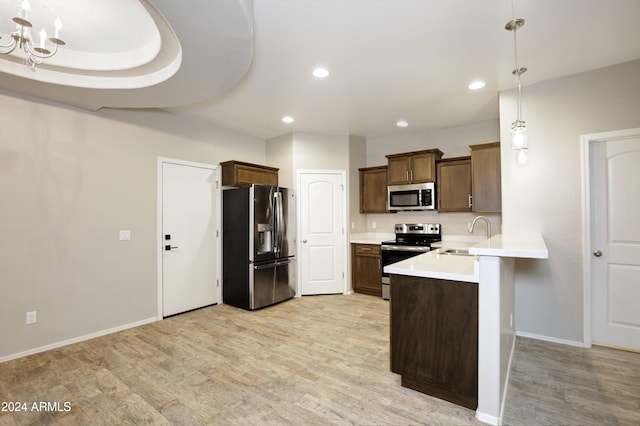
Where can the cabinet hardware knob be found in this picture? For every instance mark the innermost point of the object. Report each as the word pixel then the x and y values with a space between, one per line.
pixel 597 253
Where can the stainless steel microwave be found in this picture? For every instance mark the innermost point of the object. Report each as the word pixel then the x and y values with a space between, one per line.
pixel 415 196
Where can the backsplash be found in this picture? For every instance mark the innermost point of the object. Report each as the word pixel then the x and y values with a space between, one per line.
pixel 452 223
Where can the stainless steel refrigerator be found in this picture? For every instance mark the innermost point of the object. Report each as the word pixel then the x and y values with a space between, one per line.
pixel 258 246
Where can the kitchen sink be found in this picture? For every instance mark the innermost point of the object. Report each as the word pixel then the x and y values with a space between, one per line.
pixel 456 252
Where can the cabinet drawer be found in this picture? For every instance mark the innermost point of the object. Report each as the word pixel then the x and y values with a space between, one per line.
pixel 371 249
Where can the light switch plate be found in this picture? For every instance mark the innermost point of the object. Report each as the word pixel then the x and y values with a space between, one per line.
pixel 125 235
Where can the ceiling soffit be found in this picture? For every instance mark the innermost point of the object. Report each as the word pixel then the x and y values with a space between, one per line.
pixel 129 47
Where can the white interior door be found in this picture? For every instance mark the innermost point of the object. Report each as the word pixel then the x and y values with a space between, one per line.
pixel 615 244
pixel 322 232
pixel 189 242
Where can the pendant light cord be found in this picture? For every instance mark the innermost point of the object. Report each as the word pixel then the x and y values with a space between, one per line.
pixel 517 71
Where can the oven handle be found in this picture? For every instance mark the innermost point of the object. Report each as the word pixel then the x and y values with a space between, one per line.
pixel 421 249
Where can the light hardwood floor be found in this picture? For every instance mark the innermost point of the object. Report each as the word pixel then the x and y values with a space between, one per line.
pixel 308 361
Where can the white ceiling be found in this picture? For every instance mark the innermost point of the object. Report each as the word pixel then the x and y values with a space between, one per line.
pixel 243 66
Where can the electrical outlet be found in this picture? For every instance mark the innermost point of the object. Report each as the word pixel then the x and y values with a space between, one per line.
pixel 32 317
pixel 124 235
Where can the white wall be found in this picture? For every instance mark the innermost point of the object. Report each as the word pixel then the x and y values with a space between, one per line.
pixel 545 196
pixel 69 180
pixel 280 155
pixel 453 142
pixel 320 151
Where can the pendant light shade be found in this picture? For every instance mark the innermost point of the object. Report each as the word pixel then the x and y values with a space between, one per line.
pixel 519 135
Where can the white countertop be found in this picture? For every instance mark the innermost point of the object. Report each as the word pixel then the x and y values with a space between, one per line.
pixel 526 246
pixel 458 243
pixel 436 265
pixel 371 237
pixel 466 268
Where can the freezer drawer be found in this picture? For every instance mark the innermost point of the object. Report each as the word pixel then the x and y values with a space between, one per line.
pixel 271 283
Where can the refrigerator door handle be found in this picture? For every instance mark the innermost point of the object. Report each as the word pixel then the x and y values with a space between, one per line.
pixel 275 222
pixel 279 232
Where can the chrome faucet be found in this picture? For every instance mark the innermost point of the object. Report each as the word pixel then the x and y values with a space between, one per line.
pixel 486 221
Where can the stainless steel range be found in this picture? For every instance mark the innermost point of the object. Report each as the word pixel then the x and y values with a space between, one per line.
pixel 412 239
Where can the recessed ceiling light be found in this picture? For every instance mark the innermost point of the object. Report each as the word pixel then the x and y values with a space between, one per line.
pixel 287 119
pixel 476 85
pixel 402 123
pixel 320 72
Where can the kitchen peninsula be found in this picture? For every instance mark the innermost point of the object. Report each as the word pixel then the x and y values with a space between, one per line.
pixel 488 269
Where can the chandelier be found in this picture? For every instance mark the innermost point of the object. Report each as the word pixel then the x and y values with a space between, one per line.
pixel 34 53
pixel 518 127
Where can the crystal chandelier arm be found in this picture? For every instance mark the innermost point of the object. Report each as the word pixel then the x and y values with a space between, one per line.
pixel 40 52
pixel 11 46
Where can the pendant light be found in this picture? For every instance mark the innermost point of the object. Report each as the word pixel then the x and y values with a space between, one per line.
pixel 519 140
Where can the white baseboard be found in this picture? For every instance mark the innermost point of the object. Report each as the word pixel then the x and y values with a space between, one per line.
pixel 77 339
pixel 551 339
pixel 485 418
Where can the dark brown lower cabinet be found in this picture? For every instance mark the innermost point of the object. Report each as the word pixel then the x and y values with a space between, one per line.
pixel 434 337
pixel 366 269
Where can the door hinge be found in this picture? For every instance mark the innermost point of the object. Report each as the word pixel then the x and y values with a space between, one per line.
pixel 217 184
pixel 217 233
pixel 342 187
pixel 217 283
pixel 343 275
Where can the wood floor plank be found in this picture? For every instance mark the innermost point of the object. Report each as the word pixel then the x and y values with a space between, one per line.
pixel 321 360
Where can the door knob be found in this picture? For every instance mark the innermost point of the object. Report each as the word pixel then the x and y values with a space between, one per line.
pixel 597 253
pixel 304 241
pixel 169 247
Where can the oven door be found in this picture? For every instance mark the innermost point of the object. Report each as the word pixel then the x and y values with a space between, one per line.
pixel 392 254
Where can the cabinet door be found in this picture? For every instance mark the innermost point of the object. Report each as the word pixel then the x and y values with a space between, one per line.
pixel 248 175
pixel 485 178
pixel 398 169
pixel 423 168
pixel 454 185
pixel 366 269
pixel 373 190
pixel 434 337
pixel 241 173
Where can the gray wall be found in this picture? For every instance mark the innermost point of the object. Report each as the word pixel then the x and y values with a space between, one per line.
pixel 546 196
pixel 69 180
